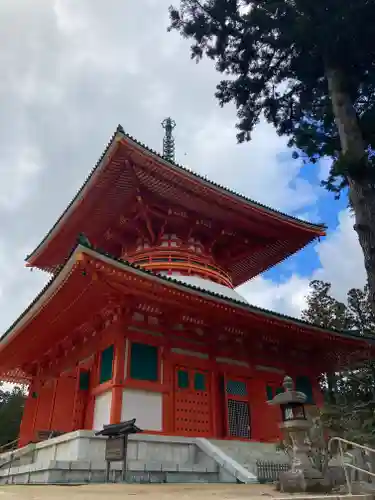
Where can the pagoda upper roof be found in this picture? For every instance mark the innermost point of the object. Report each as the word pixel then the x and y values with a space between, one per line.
pixel 62 293
pixel 127 168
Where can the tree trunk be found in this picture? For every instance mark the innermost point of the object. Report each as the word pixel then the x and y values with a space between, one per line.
pixel 361 189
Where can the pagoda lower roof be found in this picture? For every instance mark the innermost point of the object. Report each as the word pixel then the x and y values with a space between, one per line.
pixel 260 236
pixel 91 279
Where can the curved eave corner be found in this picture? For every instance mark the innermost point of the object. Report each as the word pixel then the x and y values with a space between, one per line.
pixel 118 135
pixel 43 296
pixel 121 137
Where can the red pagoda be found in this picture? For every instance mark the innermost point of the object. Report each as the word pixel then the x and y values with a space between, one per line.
pixel 141 317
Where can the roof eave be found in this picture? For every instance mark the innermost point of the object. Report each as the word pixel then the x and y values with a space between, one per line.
pixel 57 280
pixel 220 298
pixel 319 229
pixel 120 136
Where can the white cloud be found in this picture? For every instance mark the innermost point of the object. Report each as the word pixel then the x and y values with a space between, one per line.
pixel 341 264
pixel 262 169
pixel 324 167
pixel 18 284
pixel 19 179
pixel 341 258
pixel 288 297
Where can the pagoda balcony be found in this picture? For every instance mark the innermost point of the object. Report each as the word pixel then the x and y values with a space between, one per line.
pixel 180 261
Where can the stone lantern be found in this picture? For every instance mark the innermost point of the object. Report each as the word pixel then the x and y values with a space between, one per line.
pixel 303 475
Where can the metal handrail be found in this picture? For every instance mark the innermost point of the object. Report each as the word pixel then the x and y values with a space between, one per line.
pixel 9 446
pixel 351 466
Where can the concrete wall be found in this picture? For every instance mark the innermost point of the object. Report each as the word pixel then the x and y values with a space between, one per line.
pixel 85 446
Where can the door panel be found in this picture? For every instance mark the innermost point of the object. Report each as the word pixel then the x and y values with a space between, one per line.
pixel 192 408
pixel 238 421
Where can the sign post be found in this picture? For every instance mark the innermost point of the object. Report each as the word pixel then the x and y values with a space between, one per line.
pixel 116 446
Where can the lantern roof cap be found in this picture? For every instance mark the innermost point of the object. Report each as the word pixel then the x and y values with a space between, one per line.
pixel 290 395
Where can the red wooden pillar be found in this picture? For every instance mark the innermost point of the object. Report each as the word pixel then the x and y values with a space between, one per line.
pixel 167 379
pixel 317 393
pixel 26 433
pixel 118 378
pixel 94 378
pixel 37 385
pixel 216 411
pixel 52 410
pixel 77 411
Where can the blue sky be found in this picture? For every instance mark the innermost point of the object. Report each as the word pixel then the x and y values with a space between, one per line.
pixel 326 211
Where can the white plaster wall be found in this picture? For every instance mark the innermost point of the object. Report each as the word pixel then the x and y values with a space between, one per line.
pixel 145 406
pixel 102 410
pixel 210 286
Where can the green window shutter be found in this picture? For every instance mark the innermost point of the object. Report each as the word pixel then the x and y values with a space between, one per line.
pixel 199 382
pixel 303 384
pixel 106 362
pixel 236 388
pixel 144 362
pixel 183 379
pixel 279 390
pixel 269 392
pixel 84 380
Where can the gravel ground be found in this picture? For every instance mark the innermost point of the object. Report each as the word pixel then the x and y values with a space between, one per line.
pixel 143 492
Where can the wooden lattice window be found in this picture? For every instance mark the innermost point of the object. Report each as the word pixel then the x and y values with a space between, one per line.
pixel 106 364
pixel 236 388
pixel 84 380
pixel 144 362
pixel 183 379
pixel 199 382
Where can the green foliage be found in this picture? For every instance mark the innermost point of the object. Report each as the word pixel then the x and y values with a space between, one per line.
pixel 359 311
pixel 11 409
pixel 276 55
pixel 350 395
pixel 352 414
pixel 323 310
pixel 326 311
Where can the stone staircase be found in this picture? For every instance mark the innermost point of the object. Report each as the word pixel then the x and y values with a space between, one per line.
pixel 248 453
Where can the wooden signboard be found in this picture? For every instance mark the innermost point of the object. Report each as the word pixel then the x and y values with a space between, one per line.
pixel 115 449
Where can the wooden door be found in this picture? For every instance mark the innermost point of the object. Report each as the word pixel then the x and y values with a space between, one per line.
pixel 237 408
pixel 192 408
